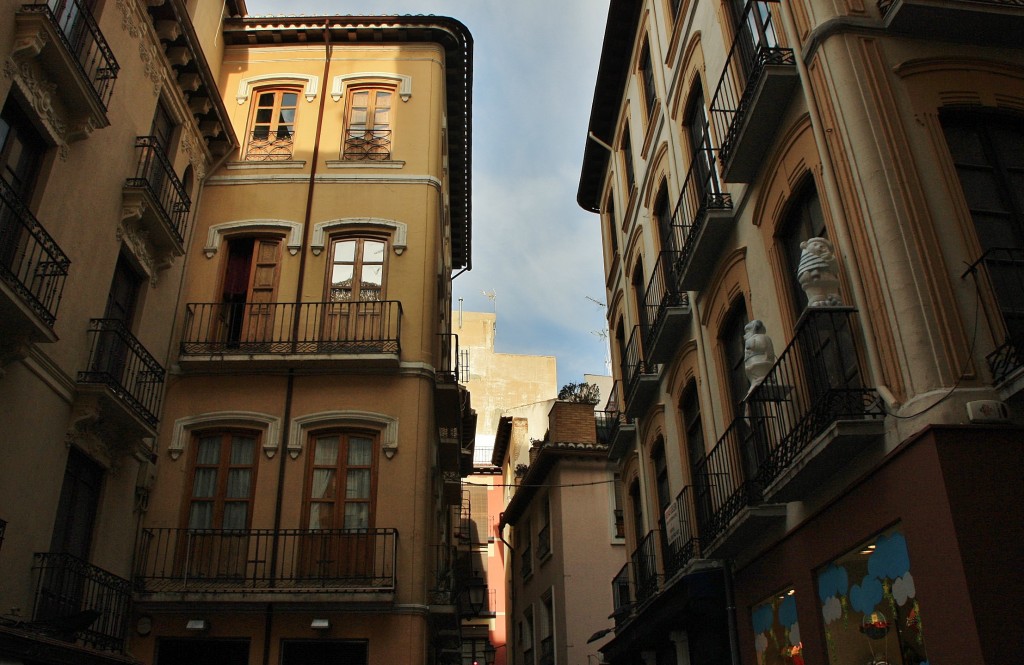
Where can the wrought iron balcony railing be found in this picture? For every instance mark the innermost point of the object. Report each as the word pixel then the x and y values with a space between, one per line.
pixel 268 146
pixel 681 544
pixel 755 47
pixel 265 560
pixel 815 382
pixel 367 144
pixel 81 36
pixel 76 601
pixel 352 327
pixel 155 174
pixel 604 422
pixel 661 295
pixel 725 480
pixel 622 594
pixel 701 194
pixel 118 361
pixel 1000 274
pixel 31 262
pixel 633 363
pixel 449 369
pixel 645 565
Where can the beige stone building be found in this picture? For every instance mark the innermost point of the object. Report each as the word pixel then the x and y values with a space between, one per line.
pixel 250 408
pixel 813 224
pixel 111 117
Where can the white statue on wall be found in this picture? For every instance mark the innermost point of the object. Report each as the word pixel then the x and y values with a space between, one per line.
pixel 818 273
pixel 758 353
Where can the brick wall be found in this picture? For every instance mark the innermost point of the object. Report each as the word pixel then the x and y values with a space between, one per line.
pixel 572 422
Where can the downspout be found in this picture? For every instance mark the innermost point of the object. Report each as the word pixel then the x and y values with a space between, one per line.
pixel 730 610
pixel 290 387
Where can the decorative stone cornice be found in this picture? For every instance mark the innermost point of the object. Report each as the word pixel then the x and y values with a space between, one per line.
pixel 38 93
pixel 321 229
pixel 388 426
pixel 216 233
pixel 246 85
pixel 268 425
pixel 342 81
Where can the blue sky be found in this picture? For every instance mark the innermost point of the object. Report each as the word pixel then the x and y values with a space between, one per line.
pixel 535 68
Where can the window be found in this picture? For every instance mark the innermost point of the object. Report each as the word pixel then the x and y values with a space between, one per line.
pixel 76 510
pixel 703 171
pixel 342 480
pixel 662 213
pixel 804 219
pixel 646 74
pixel 368 124
pixel 613 231
pixel 626 147
pixel 547 626
pixel 869 607
pixel 272 128
pixel 223 480
pixel 247 292
pixel 776 630
pixel 636 505
pixel 527 637
pixel 350 257
pixel 755 29
pixel 525 538
pixel 21 151
pixel 618 517
pixel 544 535
pixel 677 7
pixel 640 296
pixel 689 406
pixel 988 152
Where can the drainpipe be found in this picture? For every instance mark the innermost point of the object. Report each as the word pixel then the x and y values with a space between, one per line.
pixel 290 388
pixel 730 611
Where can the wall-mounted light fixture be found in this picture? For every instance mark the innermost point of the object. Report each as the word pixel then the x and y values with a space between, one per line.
pixel 320 624
pixel 198 625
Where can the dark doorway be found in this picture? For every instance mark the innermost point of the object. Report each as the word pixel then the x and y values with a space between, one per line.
pixel 202 652
pixel 320 652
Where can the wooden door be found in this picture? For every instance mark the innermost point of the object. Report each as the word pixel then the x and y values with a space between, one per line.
pixel 260 318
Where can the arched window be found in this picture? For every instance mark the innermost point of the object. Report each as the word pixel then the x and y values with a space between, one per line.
pixel 272 125
pixel 357 269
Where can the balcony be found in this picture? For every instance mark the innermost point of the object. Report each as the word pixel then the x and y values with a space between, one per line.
pixel 78 602
pixel 362 144
pixel 681 543
pixel 622 595
pixel 126 378
pixel 157 200
pixel 666 311
pixel 728 498
pixel 63 37
pixel 984 22
pixel 255 564
pixel 453 413
pixel 645 566
pixel 265 335
pixel 620 428
pixel 815 412
pixel 267 146
pixel 753 93
pixel 639 376
pixel 1000 277
pixel 701 222
pixel 32 273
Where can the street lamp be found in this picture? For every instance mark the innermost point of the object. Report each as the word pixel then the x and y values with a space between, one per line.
pixel 490 653
pixel 476 592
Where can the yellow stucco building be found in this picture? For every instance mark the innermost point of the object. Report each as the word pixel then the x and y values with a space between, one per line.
pixel 245 421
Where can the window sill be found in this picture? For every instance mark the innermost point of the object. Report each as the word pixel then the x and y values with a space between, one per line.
pixel 268 164
pixel 364 164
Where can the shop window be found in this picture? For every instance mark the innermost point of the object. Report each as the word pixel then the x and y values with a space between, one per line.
pixel 777 631
pixel 868 605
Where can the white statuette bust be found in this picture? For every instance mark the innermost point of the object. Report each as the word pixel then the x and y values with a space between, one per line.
pixel 818 273
pixel 758 353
